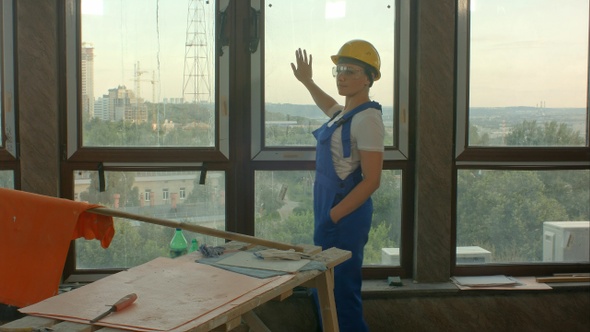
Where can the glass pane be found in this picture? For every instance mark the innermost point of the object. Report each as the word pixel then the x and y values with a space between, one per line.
pixel 1 90
pixel 7 77
pixel 147 72
pixel 7 179
pixel 284 212
pixel 1 72
pixel 515 216
pixel 528 74
pixel 320 27
pixel 164 195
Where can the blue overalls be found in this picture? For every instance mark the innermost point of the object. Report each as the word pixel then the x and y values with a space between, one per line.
pixel 351 232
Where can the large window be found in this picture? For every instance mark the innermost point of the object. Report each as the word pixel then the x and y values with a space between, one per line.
pixel 288 26
pixel 508 216
pixel 528 73
pixel 132 192
pixel 287 112
pixel 143 126
pixel 284 212
pixel 151 86
pixel 147 73
pixel 284 114
pixel 523 169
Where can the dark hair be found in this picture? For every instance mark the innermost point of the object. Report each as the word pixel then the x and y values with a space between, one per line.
pixel 369 70
pixel 371 74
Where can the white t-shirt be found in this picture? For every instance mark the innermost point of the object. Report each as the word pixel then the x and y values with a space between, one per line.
pixel 366 133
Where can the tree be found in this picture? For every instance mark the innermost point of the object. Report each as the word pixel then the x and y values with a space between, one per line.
pixel 134 244
pixel 120 183
pixel 571 189
pixel 504 211
pixel 387 211
pixel 529 133
pixel 379 238
pixel 477 139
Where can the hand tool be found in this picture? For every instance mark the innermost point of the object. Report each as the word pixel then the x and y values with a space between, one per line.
pixel 123 303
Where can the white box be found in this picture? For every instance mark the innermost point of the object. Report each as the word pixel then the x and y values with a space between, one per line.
pixel 566 241
pixel 465 255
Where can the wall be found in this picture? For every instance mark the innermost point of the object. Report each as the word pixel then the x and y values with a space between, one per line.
pixel 37 99
pixel 446 309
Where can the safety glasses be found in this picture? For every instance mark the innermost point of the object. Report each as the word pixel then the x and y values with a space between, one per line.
pixel 347 72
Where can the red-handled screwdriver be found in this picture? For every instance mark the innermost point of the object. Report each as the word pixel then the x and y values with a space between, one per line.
pixel 120 305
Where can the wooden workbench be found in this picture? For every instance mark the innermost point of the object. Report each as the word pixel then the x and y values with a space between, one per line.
pixel 228 317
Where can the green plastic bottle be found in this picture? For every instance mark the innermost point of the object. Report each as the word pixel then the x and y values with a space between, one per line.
pixel 178 245
pixel 194 245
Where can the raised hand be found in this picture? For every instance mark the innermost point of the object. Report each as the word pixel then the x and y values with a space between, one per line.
pixel 303 70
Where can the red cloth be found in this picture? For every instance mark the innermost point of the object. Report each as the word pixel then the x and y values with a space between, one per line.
pixel 35 234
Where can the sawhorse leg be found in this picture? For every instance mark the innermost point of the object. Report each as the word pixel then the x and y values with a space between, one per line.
pixel 324 283
pixel 254 322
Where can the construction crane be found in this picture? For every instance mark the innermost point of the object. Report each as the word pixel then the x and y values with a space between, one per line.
pixel 137 79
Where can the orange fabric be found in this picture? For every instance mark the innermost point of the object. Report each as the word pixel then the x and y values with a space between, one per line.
pixel 93 226
pixel 35 234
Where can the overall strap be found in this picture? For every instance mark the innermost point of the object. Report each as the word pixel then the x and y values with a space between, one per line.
pixel 345 122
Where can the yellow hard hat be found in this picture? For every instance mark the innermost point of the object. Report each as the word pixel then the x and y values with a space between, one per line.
pixel 360 50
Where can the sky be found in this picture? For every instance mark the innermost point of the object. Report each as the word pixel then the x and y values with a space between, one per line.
pixel 525 52
pixel 514 61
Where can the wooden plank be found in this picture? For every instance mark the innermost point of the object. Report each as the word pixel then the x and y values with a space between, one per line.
pixel 254 322
pixel 283 296
pixel 195 228
pixel 28 323
pixel 230 325
pixel 325 287
pixel 153 282
pixel 72 327
pixel 332 257
pixel 230 315
pixel 249 260
pixel 563 279
pixel 33 323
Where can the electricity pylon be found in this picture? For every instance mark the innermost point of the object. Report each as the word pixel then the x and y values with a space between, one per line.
pixel 196 86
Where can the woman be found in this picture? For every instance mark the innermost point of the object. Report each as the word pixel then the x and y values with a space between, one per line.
pixel 349 158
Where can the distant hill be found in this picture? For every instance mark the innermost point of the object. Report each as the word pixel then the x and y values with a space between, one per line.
pixel 525 110
pixel 520 113
pixel 307 111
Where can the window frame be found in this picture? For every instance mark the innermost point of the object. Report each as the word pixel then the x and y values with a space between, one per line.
pixel 466 155
pixel 503 158
pixel 260 152
pixel 238 99
pixel 77 157
pixel 8 129
pixel 8 133
pixel 75 151
pixel 396 157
